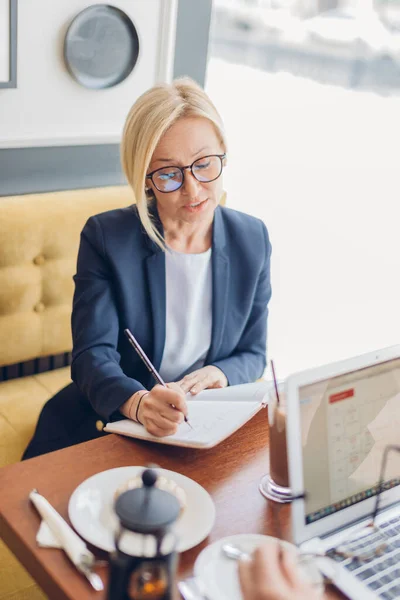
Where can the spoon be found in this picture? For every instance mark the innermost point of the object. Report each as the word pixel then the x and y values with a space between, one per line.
pixel 234 552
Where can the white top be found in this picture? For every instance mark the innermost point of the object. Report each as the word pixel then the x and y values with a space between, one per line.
pixel 188 313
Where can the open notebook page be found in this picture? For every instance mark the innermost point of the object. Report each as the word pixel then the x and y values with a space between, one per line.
pixel 245 392
pixel 212 419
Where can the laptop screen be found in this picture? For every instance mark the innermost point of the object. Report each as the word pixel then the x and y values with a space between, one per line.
pixel 346 423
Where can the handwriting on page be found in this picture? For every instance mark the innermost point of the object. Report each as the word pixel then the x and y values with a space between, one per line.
pixel 211 420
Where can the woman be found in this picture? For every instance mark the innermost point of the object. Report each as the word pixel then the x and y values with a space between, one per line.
pixel 188 277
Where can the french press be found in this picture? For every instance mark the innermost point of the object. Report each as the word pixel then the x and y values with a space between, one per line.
pixel 143 565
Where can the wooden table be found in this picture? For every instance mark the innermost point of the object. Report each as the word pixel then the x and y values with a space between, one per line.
pixel 230 472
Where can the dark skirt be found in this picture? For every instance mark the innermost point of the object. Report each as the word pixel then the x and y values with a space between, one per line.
pixel 65 420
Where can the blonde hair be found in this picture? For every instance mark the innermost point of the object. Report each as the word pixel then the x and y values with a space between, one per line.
pixel 153 113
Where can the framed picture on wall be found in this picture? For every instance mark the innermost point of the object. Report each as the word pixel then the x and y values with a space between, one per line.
pixel 8 43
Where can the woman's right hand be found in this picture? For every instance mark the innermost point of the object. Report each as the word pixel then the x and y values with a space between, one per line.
pixel 273 573
pixel 160 411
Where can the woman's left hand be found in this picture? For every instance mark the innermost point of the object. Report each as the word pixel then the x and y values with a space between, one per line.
pixel 202 379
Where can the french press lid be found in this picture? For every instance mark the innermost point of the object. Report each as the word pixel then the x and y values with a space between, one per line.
pixel 147 509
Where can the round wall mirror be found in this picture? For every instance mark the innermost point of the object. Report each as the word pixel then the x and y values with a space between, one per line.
pixel 101 46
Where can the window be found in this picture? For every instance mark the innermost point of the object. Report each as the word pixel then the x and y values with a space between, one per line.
pixel 309 91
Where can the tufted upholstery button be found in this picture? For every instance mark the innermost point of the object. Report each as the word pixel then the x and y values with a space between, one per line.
pixel 39 260
pixel 99 425
pixel 39 307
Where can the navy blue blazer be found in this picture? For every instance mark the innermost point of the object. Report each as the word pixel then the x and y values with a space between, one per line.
pixel 120 283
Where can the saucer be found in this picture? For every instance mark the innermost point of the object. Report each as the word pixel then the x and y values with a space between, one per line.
pixel 92 515
pixel 219 573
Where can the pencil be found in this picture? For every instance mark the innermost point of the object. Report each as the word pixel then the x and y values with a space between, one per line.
pixel 133 341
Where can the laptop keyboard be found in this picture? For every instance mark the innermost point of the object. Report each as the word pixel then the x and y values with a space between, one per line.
pixel 377 558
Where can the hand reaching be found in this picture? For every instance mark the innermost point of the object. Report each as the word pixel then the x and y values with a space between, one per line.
pixel 274 574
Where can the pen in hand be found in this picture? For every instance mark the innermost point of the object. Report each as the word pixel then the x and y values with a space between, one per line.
pixel 146 360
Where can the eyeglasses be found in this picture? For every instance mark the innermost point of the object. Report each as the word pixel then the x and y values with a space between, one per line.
pixel 204 169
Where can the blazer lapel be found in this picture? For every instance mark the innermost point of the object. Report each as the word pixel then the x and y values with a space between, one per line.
pixel 155 266
pixel 220 283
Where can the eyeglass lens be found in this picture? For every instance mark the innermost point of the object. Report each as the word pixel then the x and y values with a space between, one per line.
pixel 204 169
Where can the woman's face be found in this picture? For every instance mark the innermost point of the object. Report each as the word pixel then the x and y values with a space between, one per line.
pixel 189 139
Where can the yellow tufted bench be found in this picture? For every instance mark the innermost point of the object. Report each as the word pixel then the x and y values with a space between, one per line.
pixel 39 238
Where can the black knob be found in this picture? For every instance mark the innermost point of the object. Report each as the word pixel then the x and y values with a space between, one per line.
pixel 149 477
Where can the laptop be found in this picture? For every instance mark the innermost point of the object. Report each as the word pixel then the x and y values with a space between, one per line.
pixel 340 419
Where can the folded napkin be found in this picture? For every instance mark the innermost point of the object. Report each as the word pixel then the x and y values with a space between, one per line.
pixel 54 532
pixel 46 538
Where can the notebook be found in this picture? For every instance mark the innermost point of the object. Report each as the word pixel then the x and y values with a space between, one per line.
pixel 340 418
pixel 213 414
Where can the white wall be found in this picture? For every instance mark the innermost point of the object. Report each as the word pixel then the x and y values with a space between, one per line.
pixel 49 107
pixel 4 40
pixel 47 168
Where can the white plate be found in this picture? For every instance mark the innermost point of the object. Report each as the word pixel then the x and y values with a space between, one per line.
pixel 91 512
pixel 218 573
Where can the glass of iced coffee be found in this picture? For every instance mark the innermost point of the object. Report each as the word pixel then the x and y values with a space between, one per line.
pixel 275 484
